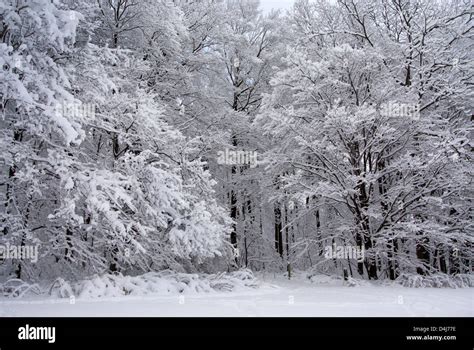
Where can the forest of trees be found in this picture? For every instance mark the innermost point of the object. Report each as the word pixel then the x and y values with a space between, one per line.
pixel 116 114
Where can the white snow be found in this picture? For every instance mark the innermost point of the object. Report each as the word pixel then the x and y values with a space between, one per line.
pixel 274 297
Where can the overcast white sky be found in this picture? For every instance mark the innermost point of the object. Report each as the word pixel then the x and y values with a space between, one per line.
pixel 267 5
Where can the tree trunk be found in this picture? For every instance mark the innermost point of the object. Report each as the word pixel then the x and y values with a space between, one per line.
pixel 278 229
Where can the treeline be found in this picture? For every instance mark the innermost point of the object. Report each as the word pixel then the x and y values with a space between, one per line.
pixel 344 123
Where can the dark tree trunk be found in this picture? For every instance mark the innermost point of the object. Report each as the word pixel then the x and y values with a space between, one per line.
pixel 360 264
pixel 371 262
pixel 423 256
pixel 392 250
pixel 278 229
pixel 233 204
pixel 113 266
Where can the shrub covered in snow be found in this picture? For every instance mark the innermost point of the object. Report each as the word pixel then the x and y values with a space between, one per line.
pixel 163 282
pixel 438 280
pixel 16 288
pixel 324 279
pixel 315 276
pixel 61 288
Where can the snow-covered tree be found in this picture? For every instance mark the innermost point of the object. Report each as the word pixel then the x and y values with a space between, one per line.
pixel 372 147
pixel 353 119
pixel 93 173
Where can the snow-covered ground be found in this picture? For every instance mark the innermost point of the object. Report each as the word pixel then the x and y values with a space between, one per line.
pixel 274 297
